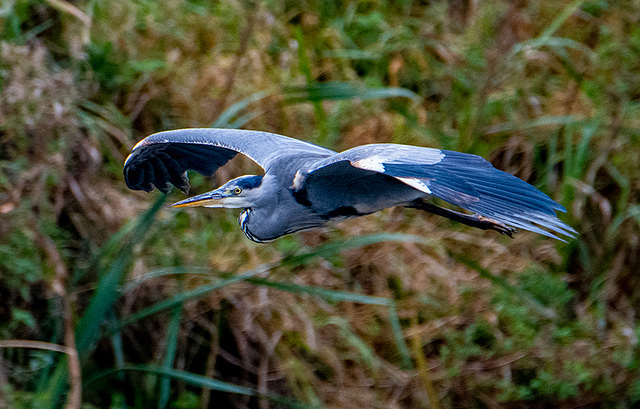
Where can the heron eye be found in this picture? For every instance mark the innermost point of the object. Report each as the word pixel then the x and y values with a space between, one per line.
pixel 237 191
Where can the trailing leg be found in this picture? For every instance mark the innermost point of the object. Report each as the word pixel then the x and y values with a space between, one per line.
pixel 473 220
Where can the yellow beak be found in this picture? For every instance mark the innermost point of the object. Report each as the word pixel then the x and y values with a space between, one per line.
pixel 209 199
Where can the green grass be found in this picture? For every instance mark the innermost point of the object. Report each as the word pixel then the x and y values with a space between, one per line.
pixel 176 309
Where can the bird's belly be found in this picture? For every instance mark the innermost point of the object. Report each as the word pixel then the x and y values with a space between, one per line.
pixel 262 226
pixel 358 194
pixel 364 204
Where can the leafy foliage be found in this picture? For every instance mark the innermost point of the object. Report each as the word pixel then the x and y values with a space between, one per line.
pixel 170 308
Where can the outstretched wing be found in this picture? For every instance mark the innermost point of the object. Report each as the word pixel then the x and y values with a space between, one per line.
pixel 464 180
pixel 164 157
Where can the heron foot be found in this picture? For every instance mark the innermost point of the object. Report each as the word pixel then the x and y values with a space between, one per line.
pixel 487 223
pixel 475 220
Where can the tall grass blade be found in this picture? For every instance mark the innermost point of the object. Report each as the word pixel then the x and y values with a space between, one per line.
pixel 398 335
pixel 329 295
pixel 552 159
pixel 569 158
pixel 351 54
pixel 225 120
pixel 170 355
pixel 163 272
pixel 325 294
pixel 561 18
pixel 295 260
pixel 118 354
pixel 576 157
pixel 337 90
pixel 106 253
pixel 524 295
pixel 633 212
pixel 547 120
pixel 624 183
pixel 367 355
pixel 88 329
pixel 204 382
pixel 191 295
pixel 304 65
pixel 312 92
pixel 423 369
pixel 336 247
pixel 582 150
pixel 342 296
pixel 557 44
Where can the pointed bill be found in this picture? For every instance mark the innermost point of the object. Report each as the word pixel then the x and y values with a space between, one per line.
pixel 209 199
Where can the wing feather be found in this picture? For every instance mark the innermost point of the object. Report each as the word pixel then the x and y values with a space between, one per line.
pixel 464 180
pixel 163 158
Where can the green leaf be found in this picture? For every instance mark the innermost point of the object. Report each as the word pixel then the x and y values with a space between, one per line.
pixel 329 295
pixel 561 18
pixel 525 296
pixel 340 296
pixel 173 332
pixel 163 272
pixel 204 382
pixel 557 44
pixel 88 330
pixel 225 120
pixel 336 247
pixel 352 54
pixel 547 120
pixel 191 294
pixel 336 90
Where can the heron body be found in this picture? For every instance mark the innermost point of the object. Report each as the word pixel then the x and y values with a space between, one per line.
pixel 306 186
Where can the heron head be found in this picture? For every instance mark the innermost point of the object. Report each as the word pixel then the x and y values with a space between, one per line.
pixel 237 193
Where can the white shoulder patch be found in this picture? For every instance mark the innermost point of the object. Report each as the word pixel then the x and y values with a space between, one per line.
pixel 297 181
pixel 399 154
pixel 373 163
pixel 420 184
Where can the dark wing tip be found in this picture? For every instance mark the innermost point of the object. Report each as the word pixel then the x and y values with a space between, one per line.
pixel 521 205
pixel 148 167
pixel 501 196
pixel 159 162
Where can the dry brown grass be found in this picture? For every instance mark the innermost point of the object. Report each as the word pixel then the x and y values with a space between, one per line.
pixel 497 322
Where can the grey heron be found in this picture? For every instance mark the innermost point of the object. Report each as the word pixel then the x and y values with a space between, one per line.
pixel 305 186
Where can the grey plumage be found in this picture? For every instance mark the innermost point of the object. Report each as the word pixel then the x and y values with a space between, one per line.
pixel 305 185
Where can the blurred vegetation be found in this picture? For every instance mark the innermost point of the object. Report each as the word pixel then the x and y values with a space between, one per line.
pixel 110 299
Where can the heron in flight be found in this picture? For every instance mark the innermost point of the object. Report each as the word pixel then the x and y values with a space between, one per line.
pixel 305 186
